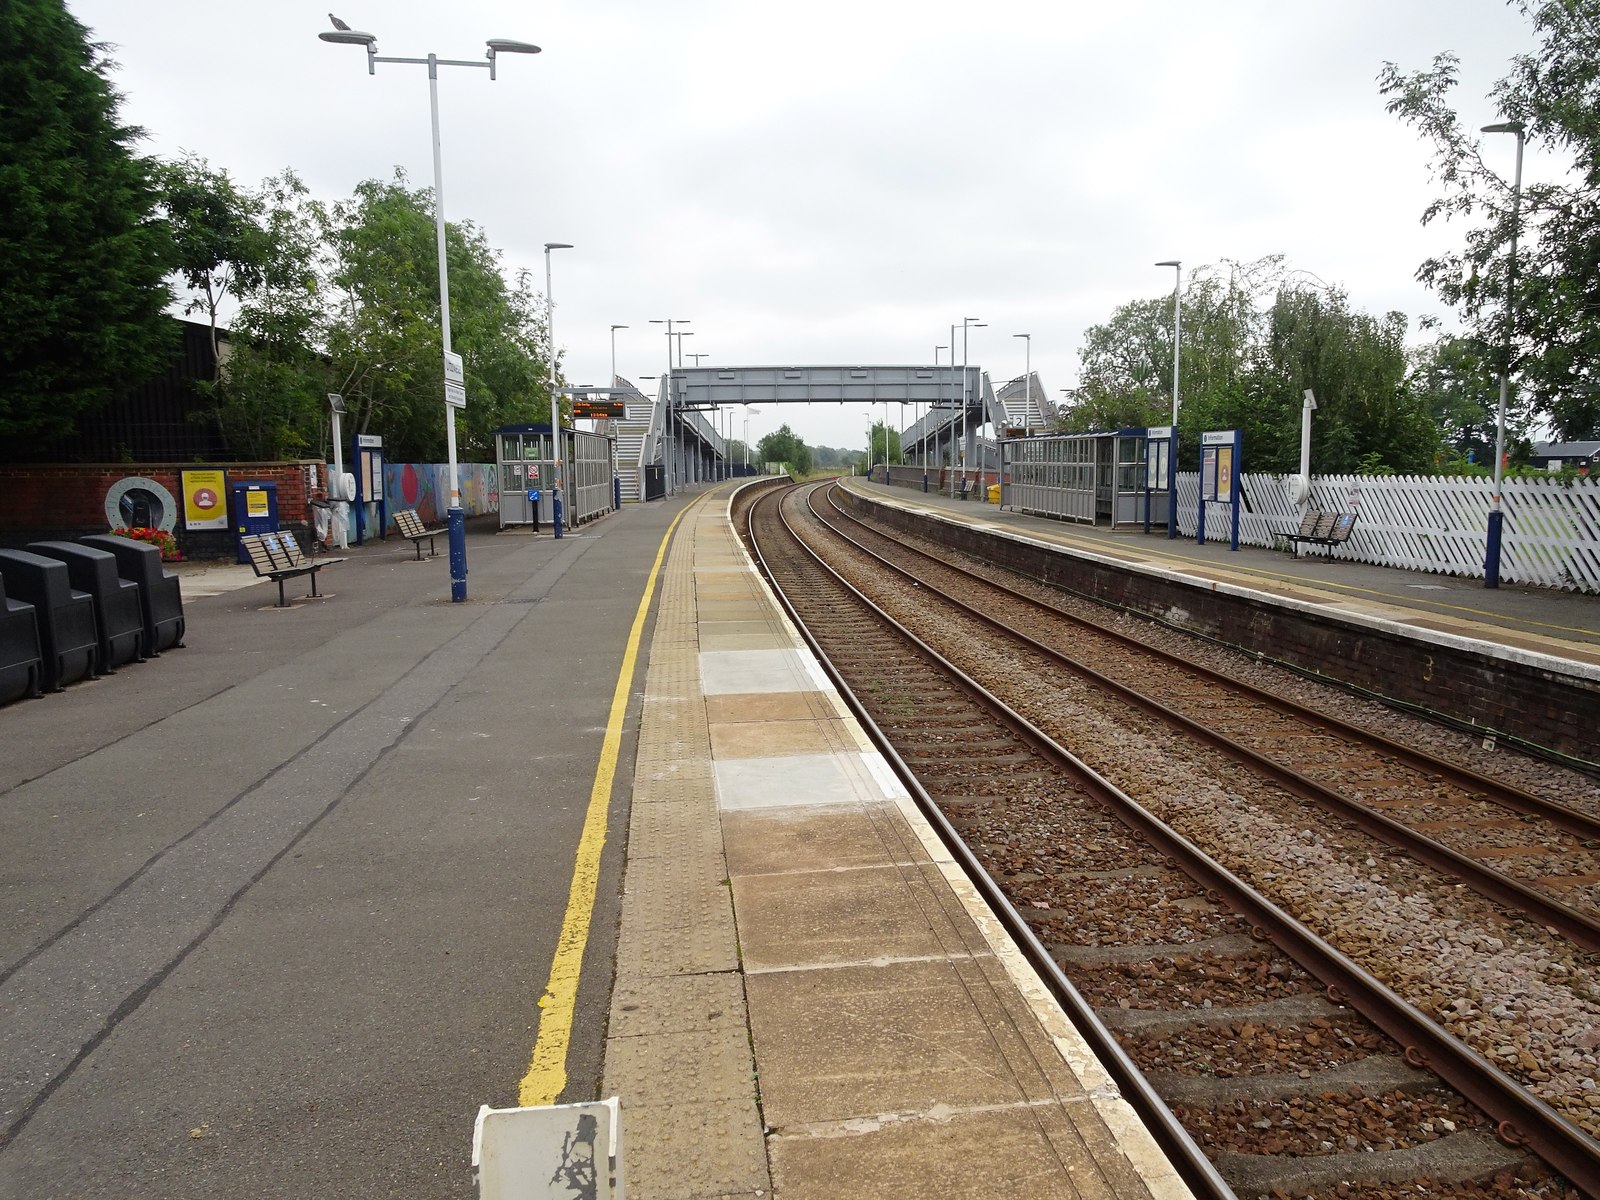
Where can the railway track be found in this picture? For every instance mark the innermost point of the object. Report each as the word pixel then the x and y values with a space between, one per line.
pixel 1233 1011
pixel 1538 857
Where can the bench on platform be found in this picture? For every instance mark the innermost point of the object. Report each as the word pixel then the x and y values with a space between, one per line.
pixel 1327 529
pixel 277 556
pixel 411 527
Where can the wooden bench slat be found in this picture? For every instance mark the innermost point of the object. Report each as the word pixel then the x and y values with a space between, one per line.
pixel 411 527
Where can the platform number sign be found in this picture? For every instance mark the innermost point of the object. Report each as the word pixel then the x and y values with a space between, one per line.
pixel 1221 463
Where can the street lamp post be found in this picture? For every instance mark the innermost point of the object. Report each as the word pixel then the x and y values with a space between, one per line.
pixel 614 329
pixel 1177 346
pixel 1027 374
pixel 669 429
pixel 452 398
pixel 555 407
pixel 966 323
pixel 1491 556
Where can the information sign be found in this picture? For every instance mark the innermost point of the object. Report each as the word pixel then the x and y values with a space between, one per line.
pixel 202 500
pixel 1220 463
pixel 455 394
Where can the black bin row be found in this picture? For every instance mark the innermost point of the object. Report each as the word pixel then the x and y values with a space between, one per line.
pixel 76 610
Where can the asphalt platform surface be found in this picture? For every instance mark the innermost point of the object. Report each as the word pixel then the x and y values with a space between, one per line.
pixel 281 904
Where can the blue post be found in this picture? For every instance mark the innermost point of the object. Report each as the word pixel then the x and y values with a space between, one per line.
pixel 924 481
pixel 616 494
pixel 458 554
pixel 1491 556
pixel 555 512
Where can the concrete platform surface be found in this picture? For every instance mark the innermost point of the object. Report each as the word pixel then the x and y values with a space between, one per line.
pixel 810 1000
pixel 281 905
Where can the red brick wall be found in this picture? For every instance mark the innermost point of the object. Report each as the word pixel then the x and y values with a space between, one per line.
pixel 47 500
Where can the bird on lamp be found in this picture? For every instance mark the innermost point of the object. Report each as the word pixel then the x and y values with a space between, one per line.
pixel 337 24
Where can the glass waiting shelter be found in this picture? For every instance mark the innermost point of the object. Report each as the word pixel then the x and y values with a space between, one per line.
pixel 527 464
pixel 1095 478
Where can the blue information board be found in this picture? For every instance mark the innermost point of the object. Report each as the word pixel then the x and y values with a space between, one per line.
pixel 1221 459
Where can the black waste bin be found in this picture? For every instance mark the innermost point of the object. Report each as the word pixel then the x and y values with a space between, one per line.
pixel 116 600
pixel 160 601
pixel 68 642
pixel 21 667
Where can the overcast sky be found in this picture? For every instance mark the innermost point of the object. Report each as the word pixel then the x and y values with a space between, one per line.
pixel 839 182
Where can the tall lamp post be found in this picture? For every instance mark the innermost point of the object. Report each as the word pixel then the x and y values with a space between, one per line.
pixel 454 389
pixel 1027 374
pixel 747 411
pixel 966 324
pixel 1177 327
pixel 614 329
pixel 669 429
pixel 1491 556
pixel 555 406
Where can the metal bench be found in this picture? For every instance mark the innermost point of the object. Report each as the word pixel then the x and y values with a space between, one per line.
pixel 1328 529
pixel 276 556
pixel 411 527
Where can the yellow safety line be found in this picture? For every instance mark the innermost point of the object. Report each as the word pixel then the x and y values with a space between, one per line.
pixel 1090 542
pixel 546 1076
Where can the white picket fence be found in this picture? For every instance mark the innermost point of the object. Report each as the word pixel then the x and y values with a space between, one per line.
pixel 1550 538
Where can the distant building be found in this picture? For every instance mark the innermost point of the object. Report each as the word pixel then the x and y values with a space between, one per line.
pixel 1557 456
pixel 161 419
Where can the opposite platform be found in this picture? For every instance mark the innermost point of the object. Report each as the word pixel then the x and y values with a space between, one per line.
pixel 810 998
pixel 1515 666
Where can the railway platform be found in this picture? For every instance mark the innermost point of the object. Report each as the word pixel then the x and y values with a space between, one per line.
pixel 287 905
pixel 1515 663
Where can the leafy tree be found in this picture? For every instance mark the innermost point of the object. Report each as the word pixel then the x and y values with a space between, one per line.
pixel 784 446
pixel 1356 366
pixel 220 246
pixel 1555 92
pixel 1456 380
pixel 83 256
pixel 1254 339
pixel 1127 363
pixel 271 397
pixel 883 435
pixel 386 335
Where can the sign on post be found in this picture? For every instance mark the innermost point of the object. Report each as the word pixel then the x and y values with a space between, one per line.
pixel 455 380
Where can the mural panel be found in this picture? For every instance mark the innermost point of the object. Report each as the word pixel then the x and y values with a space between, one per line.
pixel 426 488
